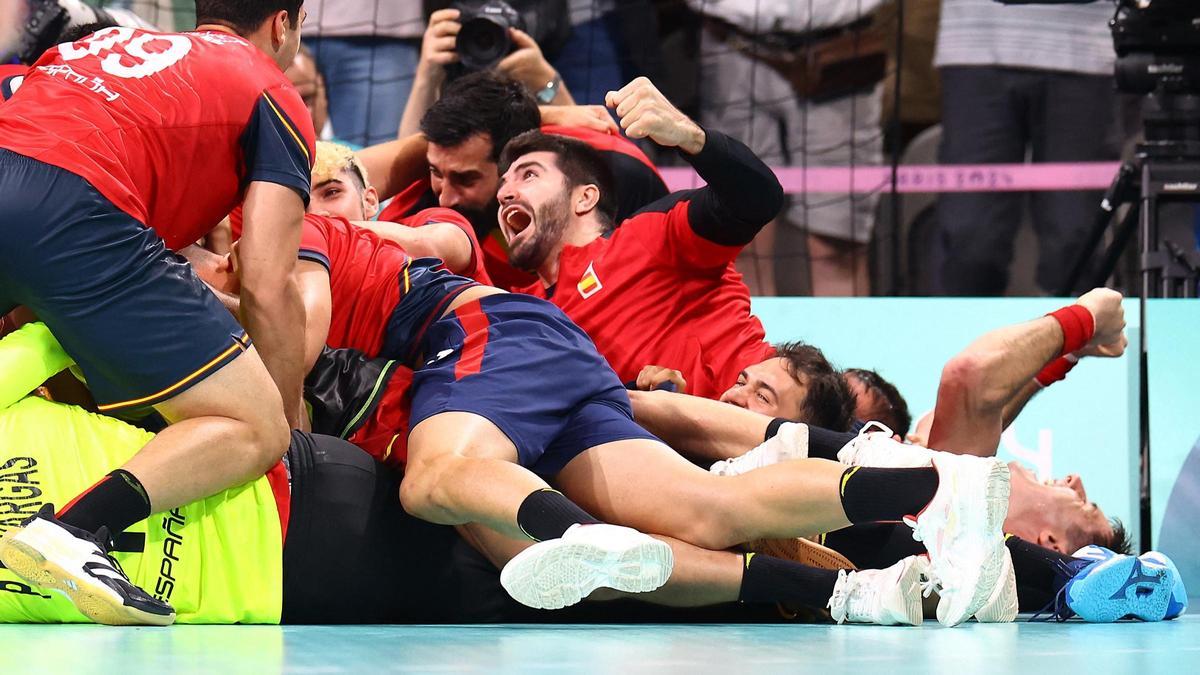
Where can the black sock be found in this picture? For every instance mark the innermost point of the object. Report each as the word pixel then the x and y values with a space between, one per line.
pixel 871 495
pixel 766 579
pixel 824 444
pixel 874 546
pixel 546 514
pixel 1039 573
pixel 117 501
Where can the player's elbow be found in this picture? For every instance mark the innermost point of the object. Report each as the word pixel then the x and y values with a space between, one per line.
pixel 967 378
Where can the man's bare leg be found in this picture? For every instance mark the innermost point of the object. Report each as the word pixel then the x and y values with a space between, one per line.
pixel 645 484
pixel 229 428
pixel 704 578
pixel 224 431
pixel 462 468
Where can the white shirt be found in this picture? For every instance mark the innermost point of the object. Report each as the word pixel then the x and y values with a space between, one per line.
pixel 1069 38
pixel 789 16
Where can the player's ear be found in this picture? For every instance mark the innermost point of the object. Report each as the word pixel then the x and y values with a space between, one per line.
pixel 1046 539
pixel 370 202
pixel 586 198
pixel 279 27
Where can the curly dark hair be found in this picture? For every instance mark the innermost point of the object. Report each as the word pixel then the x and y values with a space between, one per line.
pixel 827 402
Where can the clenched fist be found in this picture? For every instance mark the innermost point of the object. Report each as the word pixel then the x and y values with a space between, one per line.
pixel 646 113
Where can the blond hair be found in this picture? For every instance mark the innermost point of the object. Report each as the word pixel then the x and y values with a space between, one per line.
pixel 332 159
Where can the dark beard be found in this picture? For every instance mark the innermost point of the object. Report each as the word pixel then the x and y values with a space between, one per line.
pixel 552 218
pixel 483 221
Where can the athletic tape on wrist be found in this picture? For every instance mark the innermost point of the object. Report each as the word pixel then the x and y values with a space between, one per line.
pixel 1078 326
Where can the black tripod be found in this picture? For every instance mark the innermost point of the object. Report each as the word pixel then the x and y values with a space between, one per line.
pixel 1165 169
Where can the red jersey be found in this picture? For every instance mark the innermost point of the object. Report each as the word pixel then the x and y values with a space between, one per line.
pixel 168 127
pixel 475 269
pixel 638 183
pixel 382 299
pixel 656 293
pixel 11 77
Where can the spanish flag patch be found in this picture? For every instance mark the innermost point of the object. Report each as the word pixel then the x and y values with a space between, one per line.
pixel 589 284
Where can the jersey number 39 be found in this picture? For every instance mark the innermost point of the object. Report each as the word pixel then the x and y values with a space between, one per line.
pixel 134 61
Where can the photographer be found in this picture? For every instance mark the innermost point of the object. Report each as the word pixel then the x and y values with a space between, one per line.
pixel 525 63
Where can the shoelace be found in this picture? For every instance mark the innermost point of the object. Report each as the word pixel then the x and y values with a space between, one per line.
pixel 838 600
pixel 103 541
pixel 1059 609
pixel 930 584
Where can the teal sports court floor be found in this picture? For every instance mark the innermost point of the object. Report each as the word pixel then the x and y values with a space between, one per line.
pixel 1022 647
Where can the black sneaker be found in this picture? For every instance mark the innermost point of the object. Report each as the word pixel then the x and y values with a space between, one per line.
pixel 51 554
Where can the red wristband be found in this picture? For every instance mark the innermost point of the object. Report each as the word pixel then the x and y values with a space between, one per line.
pixel 1078 326
pixel 1056 370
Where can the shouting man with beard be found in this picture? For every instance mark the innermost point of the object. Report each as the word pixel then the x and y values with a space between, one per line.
pixel 660 289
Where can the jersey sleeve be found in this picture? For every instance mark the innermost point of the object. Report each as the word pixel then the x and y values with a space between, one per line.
pixel 664 229
pixel 278 142
pixel 314 240
pixel 439 214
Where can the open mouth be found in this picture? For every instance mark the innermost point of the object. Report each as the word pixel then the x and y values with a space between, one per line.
pixel 515 219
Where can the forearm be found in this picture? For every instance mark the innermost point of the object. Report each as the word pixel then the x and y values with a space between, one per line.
pixel 1017 403
pixel 395 165
pixel 436 240
pixel 1006 360
pixel 742 194
pixel 426 85
pixel 697 426
pixel 985 385
pixel 270 313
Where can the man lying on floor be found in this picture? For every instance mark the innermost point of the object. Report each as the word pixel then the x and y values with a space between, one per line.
pixel 328 506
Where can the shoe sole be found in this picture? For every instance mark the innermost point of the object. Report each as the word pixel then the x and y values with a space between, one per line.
pixel 30 564
pixel 802 551
pixel 994 610
pixel 910 585
pixel 555 574
pixel 1107 589
pixel 990 562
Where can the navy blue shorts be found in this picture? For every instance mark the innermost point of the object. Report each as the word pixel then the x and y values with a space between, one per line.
pixel 133 315
pixel 522 364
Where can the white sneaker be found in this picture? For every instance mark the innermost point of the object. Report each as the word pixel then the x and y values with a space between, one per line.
pixel 560 572
pixel 1001 606
pixel 58 557
pixel 887 597
pixel 875 446
pixel 961 528
pixel 790 442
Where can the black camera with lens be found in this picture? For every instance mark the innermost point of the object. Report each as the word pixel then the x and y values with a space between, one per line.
pixel 484 39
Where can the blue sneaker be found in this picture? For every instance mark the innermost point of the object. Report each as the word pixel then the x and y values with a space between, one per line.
pixel 1179 598
pixel 1107 586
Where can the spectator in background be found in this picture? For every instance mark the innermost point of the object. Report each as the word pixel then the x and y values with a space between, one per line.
pixel 367 51
pixel 798 81
pixel 611 42
pixel 438 64
pixel 310 85
pixel 1017 80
